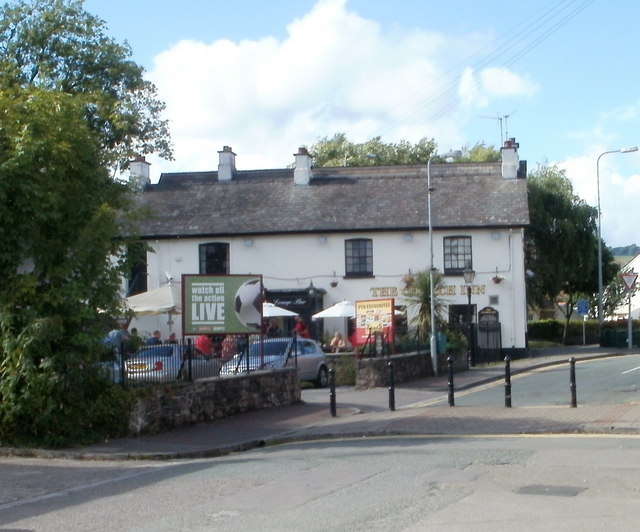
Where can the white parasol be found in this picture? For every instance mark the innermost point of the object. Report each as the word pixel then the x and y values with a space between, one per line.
pixel 164 300
pixel 343 309
pixel 269 310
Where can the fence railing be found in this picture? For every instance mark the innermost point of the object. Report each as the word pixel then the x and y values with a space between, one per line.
pixel 162 363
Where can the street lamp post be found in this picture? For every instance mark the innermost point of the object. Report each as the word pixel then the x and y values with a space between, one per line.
pixel 469 275
pixel 600 289
pixel 450 156
pixel 432 337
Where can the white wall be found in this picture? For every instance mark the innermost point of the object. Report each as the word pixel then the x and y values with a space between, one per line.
pixel 294 261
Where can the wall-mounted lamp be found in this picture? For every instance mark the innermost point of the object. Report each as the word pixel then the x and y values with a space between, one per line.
pixel 311 290
pixel 248 242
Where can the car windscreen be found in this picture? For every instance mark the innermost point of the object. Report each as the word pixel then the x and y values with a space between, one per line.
pixel 271 349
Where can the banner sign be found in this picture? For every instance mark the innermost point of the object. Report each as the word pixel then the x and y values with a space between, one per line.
pixel 374 316
pixel 221 304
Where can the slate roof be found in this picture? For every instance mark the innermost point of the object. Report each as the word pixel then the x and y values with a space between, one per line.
pixel 368 199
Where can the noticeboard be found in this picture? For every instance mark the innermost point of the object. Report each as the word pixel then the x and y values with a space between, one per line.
pixel 374 316
pixel 221 304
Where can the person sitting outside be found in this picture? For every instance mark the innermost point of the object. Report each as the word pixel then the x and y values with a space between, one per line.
pixel 155 339
pixel 338 343
pixel 273 331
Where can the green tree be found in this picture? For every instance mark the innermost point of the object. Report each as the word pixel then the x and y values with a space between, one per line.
pixel 56 45
pixel 480 153
pixel 339 151
pixel 561 243
pixel 418 290
pixel 59 281
pixel 73 106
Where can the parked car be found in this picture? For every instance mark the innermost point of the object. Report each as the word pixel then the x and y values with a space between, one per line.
pixel 307 355
pixel 168 362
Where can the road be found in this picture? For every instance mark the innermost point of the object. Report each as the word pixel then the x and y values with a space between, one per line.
pixel 412 483
pixel 602 381
pixel 450 483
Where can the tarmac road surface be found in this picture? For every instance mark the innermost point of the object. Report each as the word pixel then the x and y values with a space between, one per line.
pixel 406 483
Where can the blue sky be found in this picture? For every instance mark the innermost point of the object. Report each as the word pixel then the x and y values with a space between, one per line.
pixel 267 77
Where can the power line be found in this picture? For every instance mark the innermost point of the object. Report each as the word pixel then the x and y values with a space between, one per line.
pixel 512 47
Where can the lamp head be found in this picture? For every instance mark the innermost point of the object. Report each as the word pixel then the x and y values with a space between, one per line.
pixel 469 275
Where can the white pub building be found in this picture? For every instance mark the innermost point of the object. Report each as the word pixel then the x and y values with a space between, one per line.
pixel 322 235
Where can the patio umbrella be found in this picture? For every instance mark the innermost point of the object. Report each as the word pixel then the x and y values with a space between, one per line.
pixel 164 300
pixel 269 310
pixel 343 309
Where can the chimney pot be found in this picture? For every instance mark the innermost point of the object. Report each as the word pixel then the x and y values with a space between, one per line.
pixel 139 172
pixel 302 168
pixel 226 164
pixel 510 159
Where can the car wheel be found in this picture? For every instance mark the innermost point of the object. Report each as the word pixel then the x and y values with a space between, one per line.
pixel 323 378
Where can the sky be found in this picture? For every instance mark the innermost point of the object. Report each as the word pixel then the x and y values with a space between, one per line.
pixel 265 78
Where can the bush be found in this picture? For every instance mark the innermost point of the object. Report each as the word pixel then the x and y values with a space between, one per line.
pixel 345 367
pixel 60 410
pixel 552 330
pixel 55 397
pixel 456 341
pixel 549 330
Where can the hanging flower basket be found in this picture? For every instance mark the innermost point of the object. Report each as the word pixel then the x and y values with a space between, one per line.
pixel 408 280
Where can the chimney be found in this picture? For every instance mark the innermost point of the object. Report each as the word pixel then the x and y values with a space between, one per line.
pixel 510 160
pixel 302 169
pixel 139 172
pixel 227 164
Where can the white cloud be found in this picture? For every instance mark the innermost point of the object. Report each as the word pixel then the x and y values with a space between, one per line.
pixel 619 193
pixel 334 72
pixel 502 82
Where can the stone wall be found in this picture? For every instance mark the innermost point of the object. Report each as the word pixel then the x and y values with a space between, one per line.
pixel 374 372
pixel 162 408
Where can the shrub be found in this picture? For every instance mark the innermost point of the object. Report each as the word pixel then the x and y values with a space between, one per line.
pixel 550 330
pixel 345 367
pixel 55 410
pixel 55 397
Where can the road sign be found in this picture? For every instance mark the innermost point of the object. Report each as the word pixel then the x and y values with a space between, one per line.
pixel 629 279
pixel 583 307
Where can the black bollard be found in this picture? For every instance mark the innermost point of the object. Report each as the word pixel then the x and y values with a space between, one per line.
pixel 392 387
pixel 572 382
pixel 332 392
pixel 450 383
pixel 507 381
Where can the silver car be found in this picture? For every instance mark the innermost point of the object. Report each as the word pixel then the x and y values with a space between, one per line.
pixel 306 355
pixel 168 362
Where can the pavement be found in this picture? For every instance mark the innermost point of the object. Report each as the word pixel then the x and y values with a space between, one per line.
pixel 421 408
